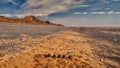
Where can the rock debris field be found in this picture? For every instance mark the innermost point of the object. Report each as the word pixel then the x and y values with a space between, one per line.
pixel 38 46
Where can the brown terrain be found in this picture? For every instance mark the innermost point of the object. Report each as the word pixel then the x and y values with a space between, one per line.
pixel 40 46
pixel 27 20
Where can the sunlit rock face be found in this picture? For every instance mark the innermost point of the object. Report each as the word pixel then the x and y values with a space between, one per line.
pixel 27 19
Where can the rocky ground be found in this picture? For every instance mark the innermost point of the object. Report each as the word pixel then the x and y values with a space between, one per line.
pixel 36 46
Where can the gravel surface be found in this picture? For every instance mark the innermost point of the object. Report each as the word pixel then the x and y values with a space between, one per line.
pixel 12 35
pixel 8 30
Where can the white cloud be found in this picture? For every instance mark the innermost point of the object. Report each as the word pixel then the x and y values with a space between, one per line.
pixel 81 13
pixel 12 2
pixel 7 15
pixel 77 12
pixel 98 12
pixel 111 12
pixel 7 1
pixel 85 13
pixel 82 6
pixel 21 15
pixel 47 7
pixel 90 12
pixel 116 12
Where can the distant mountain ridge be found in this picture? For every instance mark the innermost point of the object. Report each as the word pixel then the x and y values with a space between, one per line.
pixel 28 20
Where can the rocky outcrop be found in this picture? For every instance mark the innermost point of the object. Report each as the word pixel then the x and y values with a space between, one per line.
pixel 28 20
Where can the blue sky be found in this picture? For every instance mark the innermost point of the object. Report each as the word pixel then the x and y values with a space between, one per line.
pixel 67 12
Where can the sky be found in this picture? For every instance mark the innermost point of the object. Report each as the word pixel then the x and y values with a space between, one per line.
pixel 66 12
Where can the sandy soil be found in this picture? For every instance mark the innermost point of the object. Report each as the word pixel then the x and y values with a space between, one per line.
pixel 59 47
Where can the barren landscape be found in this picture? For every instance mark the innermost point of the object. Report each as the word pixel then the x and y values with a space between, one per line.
pixel 42 46
pixel 59 33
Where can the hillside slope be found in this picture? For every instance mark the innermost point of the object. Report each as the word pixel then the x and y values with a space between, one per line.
pixel 28 20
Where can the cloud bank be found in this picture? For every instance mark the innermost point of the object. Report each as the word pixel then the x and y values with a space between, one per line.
pixel 46 7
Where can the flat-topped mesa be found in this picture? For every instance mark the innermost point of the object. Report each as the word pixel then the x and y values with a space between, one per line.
pixel 28 20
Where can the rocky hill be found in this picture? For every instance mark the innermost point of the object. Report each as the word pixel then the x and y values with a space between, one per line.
pixel 28 20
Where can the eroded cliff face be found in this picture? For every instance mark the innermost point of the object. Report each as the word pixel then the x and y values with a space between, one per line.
pixel 28 20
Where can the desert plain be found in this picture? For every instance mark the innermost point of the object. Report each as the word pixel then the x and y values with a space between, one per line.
pixel 43 46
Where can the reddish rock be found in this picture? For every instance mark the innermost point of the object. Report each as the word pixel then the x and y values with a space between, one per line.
pixel 28 20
